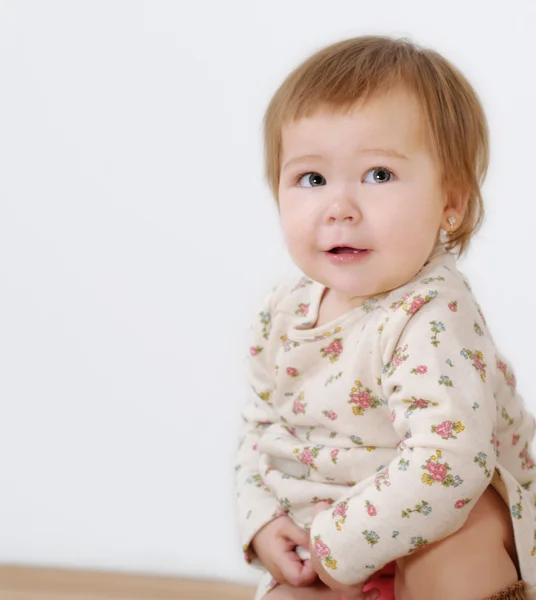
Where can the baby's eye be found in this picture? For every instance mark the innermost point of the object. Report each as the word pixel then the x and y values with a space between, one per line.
pixel 311 180
pixel 378 175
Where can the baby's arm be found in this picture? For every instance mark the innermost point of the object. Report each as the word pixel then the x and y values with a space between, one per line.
pixel 256 503
pixel 438 381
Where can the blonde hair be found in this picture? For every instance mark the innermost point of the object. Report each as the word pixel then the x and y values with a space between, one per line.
pixel 351 71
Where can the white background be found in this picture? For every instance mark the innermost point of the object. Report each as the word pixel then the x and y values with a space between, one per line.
pixel 137 238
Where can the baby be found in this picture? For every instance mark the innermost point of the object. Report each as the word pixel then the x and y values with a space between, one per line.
pixel 384 432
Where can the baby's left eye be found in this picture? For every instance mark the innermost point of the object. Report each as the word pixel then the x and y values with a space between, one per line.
pixel 378 175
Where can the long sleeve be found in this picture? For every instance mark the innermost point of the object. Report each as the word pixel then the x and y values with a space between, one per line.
pixel 256 502
pixel 437 379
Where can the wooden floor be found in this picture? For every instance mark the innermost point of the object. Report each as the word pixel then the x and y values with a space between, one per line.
pixel 26 583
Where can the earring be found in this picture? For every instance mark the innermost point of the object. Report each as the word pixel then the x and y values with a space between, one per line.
pixel 452 221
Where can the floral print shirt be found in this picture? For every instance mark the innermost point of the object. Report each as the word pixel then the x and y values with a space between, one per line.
pixel 399 414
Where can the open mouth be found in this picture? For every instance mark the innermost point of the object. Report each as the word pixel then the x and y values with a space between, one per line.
pixel 346 250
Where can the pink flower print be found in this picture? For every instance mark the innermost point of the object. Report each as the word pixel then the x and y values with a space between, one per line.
pixel 420 403
pixel 453 306
pixel 255 446
pixel 307 457
pixel 336 346
pixel 339 514
pixel 332 416
pixel 298 407
pixel 462 503
pixel 401 446
pixel 477 357
pixel 291 430
pixel 515 439
pixel 362 399
pixel 393 416
pixel 402 302
pixel 334 454
pixel 444 429
pixel 371 509
pixel 438 471
pixel 340 510
pixel 508 375
pixel 420 370
pixel 416 403
pixel 396 360
pixel 292 372
pixel 416 305
pixel 382 478
pixel 527 462
pixel 287 343
pixel 303 309
pixel 333 350
pixel 255 350
pixel 321 550
pixel 303 282
pixel 495 443
pixel 417 302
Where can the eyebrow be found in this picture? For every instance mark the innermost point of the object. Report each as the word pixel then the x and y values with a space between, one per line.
pixel 385 151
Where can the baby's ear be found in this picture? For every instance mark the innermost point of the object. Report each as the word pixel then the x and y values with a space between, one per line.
pixel 456 201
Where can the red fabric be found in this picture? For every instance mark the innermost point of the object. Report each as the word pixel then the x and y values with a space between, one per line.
pixel 384 581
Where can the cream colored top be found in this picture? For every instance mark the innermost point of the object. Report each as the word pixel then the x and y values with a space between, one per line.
pixel 399 413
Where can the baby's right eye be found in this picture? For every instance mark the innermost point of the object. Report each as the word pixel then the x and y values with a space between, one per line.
pixel 311 180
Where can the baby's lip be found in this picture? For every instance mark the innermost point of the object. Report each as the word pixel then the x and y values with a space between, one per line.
pixel 338 247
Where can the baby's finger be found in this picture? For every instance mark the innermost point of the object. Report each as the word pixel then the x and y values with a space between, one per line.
pixel 297 535
pixel 308 574
pixel 294 571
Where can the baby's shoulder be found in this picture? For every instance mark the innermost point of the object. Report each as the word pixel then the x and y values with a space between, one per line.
pixel 439 292
pixel 294 295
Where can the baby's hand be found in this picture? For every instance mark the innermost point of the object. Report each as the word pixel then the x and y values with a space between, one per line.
pixel 347 592
pixel 275 545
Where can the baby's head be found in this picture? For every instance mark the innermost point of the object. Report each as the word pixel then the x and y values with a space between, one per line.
pixel 373 146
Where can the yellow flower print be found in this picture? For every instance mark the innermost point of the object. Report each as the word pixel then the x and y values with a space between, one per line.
pixel 427 478
pixel 265 396
pixel 331 563
pixel 287 343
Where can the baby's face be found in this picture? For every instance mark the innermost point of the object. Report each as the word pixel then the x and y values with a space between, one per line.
pixel 366 183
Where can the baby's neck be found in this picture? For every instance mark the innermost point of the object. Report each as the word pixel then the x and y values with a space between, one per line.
pixel 333 306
